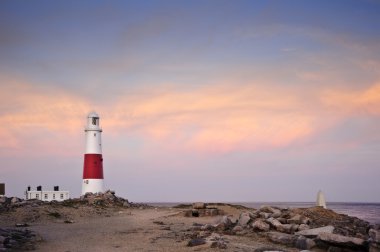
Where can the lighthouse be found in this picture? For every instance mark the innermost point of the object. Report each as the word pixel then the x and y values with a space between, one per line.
pixel 93 160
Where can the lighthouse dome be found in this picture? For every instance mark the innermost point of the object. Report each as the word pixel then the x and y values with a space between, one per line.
pixel 93 122
pixel 93 115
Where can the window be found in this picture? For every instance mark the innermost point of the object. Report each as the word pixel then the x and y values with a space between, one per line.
pixel 93 121
pixel 37 196
pixel 61 195
pixel 46 196
pixel 94 134
pixel 53 195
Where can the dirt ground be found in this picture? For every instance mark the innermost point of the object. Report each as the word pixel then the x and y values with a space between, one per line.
pixel 124 229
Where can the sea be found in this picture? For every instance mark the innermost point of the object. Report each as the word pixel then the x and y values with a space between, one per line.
pixel 365 211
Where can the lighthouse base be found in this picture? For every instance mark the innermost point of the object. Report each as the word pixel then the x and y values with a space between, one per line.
pixel 92 186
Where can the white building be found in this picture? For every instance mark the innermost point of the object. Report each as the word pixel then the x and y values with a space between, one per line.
pixel 40 194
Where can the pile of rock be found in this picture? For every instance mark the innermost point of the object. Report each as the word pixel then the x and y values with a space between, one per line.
pixel 213 240
pixel 301 228
pixel 200 209
pixel 9 203
pixel 107 198
pixel 374 239
pixel 15 239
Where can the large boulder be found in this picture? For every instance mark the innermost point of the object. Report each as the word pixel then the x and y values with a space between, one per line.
pixel 226 222
pixel 303 227
pixel 268 209
pixel 265 215
pixel 316 231
pixel 304 243
pixel 275 224
pixel 296 219
pixel 374 235
pixel 260 225
pixel 254 215
pixel 244 219
pixel 290 228
pixel 15 200
pixel 282 238
pixel 275 212
pixel 341 241
pixel 237 228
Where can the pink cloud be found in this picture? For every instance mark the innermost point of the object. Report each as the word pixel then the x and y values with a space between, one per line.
pixel 217 119
pixel 363 101
pixel 214 119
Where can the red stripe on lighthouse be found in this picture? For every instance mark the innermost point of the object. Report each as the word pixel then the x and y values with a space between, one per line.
pixel 93 166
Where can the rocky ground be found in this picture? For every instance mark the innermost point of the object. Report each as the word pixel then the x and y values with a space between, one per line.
pixel 105 222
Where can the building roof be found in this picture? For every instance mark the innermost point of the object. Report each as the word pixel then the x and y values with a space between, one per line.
pixel 93 114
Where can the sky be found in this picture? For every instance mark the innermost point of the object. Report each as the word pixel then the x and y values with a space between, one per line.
pixel 211 100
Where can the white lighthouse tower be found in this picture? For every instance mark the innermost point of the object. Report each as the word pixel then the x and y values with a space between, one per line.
pixel 93 160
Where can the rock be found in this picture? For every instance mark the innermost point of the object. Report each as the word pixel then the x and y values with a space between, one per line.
pixel 15 200
pixel 275 223
pixel 244 219
pixel 276 214
pixel 253 215
pixel 3 199
pixel 340 240
pixel 199 205
pixel 225 223
pixel 260 225
pixel 316 231
pixel 268 249
pixel 207 227
pixel 374 235
pixel 296 219
pixel 264 215
pixel 268 209
pixel 196 242
pixel 282 238
pixel 305 220
pixel 290 228
pixel 218 244
pixel 282 220
pixel 237 228
pixel 304 243
pixel 228 220
pixel 126 204
pixel 17 239
pixel 303 227
pixel 373 247
pixel 216 241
